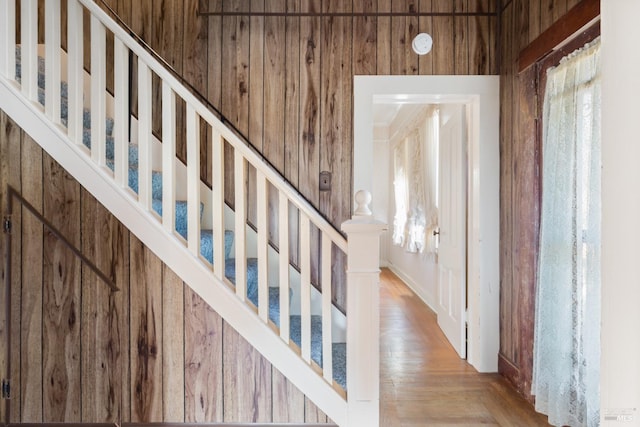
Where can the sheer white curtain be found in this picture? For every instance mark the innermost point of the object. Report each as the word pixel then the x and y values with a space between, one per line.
pixel 567 321
pixel 415 172
pixel 400 194
pixel 416 226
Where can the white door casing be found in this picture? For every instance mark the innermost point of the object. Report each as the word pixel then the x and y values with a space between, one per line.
pixel 452 277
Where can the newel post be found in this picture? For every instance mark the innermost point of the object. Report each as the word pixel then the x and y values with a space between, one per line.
pixel 363 314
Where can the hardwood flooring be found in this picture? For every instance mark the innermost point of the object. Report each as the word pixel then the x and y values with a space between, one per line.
pixel 423 382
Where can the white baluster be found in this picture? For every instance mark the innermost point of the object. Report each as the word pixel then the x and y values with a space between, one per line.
pixel 98 92
pixel 168 157
pixel 8 38
pixel 29 49
pixel 263 241
pixel 327 308
pixel 305 287
pixel 193 180
pixel 240 224
pixel 363 314
pixel 75 70
pixel 121 112
pixel 52 60
pixel 217 176
pixel 144 135
pixel 283 247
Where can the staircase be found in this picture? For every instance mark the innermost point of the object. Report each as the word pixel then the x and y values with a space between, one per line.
pixel 46 90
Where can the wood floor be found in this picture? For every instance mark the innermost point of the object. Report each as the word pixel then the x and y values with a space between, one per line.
pixel 423 382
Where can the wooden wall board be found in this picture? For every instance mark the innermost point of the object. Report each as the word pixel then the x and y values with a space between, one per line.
pixel 61 297
pixel 247 381
pixel 145 334
pixel 404 61
pixel 312 414
pixel 31 321
pixel 175 346
pixel 288 401
pixel 383 45
pixel 425 62
pixel 203 368
pixel 480 45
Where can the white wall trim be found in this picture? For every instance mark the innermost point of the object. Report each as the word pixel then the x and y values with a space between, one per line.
pixel 412 285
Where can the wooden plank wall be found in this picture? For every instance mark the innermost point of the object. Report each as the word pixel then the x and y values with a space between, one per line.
pixel 521 22
pixel 152 351
pixel 287 82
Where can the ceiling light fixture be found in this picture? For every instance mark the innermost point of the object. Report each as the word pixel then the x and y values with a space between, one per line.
pixel 422 44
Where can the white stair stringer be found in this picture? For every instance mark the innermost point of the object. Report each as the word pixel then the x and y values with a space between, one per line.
pixel 121 202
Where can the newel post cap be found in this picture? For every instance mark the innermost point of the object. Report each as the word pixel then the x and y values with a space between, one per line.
pixel 363 220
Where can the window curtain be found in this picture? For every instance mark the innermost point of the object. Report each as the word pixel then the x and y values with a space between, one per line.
pixel 567 318
pixel 401 195
pixel 415 174
pixel 416 226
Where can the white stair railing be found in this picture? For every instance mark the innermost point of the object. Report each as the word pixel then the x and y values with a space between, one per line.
pixel 358 407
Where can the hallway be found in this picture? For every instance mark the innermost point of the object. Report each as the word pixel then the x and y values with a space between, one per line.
pixel 423 382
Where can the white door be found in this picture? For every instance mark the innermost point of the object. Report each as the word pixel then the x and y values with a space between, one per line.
pixel 452 277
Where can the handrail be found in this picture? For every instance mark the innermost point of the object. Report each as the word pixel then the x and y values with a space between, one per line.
pixel 203 100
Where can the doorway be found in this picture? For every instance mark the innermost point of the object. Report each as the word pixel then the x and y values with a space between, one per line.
pixel 481 95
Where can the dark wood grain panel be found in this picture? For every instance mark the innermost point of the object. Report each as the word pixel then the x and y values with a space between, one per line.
pixel 31 265
pixel 145 334
pixel 404 60
pixel 203 368
pixel 103 335
pixel 461 38
pixel 383 45
pixel 425 62
pixel 443 38
pixel 479 45
pixel 506 197
pixel 61 297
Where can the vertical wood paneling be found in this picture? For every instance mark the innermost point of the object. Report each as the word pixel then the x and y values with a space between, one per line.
pixel 404 61
pixel 288 401
pixel 461 38
pixel 61 297
pixel 102 328
pixel 247 381
pixel 31 362
pixel 174 347
pixel 203 361
pixel 312 414
pixel 11 143
pixel 444 38
pixel 195 70
pixel 383 45
pixel 425 62
pixel 479 41
pixel 364 39
pixel 146 334
pixel 521 22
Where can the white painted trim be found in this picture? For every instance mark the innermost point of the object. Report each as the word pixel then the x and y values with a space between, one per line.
pixel 482 93
pixel 620 340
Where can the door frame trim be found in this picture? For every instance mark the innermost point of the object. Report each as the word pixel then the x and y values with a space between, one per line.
pixel 482 95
